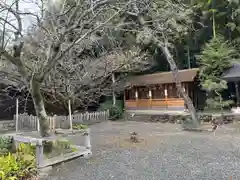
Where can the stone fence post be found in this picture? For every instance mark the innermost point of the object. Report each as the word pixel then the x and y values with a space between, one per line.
pixel 87 139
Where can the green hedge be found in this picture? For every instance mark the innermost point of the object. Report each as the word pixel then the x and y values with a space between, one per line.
pixel 115 112
pixel 6 144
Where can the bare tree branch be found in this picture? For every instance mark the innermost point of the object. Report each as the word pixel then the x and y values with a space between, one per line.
pixel 58 55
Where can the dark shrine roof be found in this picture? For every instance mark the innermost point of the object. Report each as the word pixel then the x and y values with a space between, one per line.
pixel 233 73
pixel 186 75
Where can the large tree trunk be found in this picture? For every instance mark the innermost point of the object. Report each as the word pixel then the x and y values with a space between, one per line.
pixel 187 100
pixel 40 108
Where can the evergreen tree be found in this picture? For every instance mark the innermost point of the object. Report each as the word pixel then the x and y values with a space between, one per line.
pixel 216 57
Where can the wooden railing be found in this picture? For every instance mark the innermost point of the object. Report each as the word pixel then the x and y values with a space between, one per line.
pixel 154 103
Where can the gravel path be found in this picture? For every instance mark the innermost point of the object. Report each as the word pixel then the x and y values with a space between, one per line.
pixel 164 152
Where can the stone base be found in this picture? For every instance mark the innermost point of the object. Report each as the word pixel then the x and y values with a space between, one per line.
pixel 197 130
pixel 177 119
pixel 163 118
pixel 68 131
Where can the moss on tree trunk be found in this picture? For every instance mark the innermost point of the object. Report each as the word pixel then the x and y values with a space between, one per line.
pixel 40 108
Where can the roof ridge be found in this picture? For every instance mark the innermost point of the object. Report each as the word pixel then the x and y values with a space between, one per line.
pixel 166 72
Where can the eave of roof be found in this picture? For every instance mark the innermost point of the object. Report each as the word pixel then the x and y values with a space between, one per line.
pixel 232 74
pixel 186 75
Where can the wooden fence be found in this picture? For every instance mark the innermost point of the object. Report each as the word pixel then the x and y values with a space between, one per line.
pixel 27 122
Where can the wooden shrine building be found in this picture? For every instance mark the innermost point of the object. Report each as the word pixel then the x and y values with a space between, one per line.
pixel 158 91
pixel 232 76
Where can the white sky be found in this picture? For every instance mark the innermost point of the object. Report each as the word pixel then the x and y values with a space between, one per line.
pixel 26 6
pixel 29 7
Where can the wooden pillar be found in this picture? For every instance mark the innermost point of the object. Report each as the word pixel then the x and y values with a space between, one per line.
pixel 184 90
pixel 150 98
pixel 237 93
pixel 136 96
pixel 54 122
pixel 187 89
pixel 166 97
pixel 16 115
pixel 70 114
pixel 38 125
pixel 124 98
pixel 195 96
pixel 191 91
pixel 113 93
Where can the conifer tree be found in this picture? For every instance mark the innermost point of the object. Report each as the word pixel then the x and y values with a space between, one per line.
pixel 216 57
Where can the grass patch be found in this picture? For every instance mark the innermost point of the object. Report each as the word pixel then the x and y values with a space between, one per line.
pixel 79 126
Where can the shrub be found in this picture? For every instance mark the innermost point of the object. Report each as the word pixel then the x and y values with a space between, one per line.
pixel 26 149
pixel 6 144
pixel 62 144
pixel 47 147
pixel 80 126
pixel 59 147
pixel 108 104
pixel 17 166
pixel 56 147
pixel 115 113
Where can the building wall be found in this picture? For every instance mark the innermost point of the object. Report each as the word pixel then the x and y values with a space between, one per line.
pixel 158 100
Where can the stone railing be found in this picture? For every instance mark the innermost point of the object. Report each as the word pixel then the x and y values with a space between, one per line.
pixel 42 161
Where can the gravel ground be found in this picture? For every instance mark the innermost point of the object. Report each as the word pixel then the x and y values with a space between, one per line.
pixel 164 152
